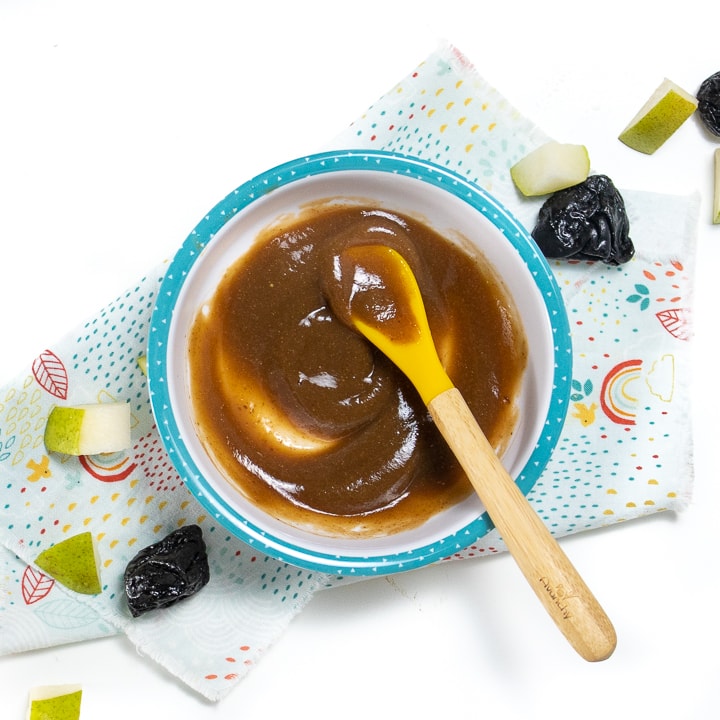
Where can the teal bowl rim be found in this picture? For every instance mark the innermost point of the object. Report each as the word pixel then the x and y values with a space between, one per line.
pixel 203 233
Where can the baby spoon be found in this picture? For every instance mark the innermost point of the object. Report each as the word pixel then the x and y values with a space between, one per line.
pixel 385 305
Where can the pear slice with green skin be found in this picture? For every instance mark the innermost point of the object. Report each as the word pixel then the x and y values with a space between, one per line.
pixel 658 119
pixel 74 563
pixel 142 364
pixel 88 429
pixel 55 702
pixel 551 167
pixel 716 195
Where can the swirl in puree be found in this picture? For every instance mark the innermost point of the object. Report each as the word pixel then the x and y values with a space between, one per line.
pixel 305 417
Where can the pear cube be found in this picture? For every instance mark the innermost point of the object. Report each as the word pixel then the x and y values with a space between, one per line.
pixel 663 113
pixel 73 562
pixel 551 167
pixel 54 702
pixel 89 429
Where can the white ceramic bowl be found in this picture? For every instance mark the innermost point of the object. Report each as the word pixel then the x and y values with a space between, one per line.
pixel 451 206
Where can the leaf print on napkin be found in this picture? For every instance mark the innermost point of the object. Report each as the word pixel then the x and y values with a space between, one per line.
pixel 641 296
pixel 66 614
pixel 676 322
pixel 51 374
pixel 35 585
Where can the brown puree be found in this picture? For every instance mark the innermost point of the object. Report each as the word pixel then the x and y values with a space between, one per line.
pixel 311 422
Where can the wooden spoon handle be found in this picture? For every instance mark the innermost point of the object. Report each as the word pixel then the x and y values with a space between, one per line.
pixel 550 573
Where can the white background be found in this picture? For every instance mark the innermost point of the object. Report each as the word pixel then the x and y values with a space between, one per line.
pixel 121 123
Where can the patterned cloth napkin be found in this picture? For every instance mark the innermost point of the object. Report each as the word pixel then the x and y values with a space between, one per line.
pixel 625 450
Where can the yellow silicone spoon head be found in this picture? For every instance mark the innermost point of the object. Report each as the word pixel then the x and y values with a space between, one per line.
pixel 379 296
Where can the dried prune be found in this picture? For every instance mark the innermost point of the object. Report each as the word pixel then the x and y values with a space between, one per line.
pixel 587 221
pixel 708 97
pixel 174 568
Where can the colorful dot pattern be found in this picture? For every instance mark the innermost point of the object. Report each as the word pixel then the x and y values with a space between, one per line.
pixel 624 450
pixel 127 500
